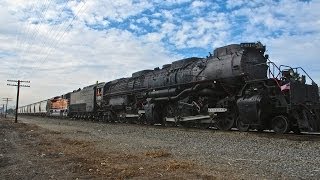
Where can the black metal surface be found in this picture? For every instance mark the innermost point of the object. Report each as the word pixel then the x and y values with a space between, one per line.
pixel 301 93
pixel 249 110
pixel 232 62
pixel 232 82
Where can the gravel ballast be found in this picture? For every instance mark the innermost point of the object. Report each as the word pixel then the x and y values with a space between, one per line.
pixel 248 155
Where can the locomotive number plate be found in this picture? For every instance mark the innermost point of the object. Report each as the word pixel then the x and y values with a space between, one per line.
pixel 215 110
pixel 248 45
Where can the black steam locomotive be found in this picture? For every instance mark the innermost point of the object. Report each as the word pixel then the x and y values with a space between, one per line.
pixel 236 86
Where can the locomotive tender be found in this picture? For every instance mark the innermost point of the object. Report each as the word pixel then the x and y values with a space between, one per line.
pixel 236 86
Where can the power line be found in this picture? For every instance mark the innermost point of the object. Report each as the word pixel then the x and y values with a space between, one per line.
pixel 36 32
pixel 18 92
pixel 66 29
pixel 2 110
pixel 41 17
pixel 43 43
pixel 24 40
pixel 27 29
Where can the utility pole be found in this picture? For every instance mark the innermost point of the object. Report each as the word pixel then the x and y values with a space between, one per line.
pixel 6 100
pixel 2 108
pixel 18 92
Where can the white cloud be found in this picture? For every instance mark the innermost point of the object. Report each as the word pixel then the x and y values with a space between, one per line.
pixel 199 32
pixel 198 4
pixel 56 64
pixel 144 20
pixel 235 3
pixel 135 28
pixel 153 37
pixel 168 15
pixel 171 2
pixel 94 48
pixel 155 23
pixel 116 10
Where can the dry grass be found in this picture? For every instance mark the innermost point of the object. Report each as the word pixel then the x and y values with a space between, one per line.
pixel 117 165
pixel 157 153
pixel 82 159
pixel 174 165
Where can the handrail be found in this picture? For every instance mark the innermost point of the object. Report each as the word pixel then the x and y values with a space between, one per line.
pixel 296 70
pixel 272 72
pixel 269 68
pixel 274 66
pixel 284 66
pixel 280 69
pixel 306 74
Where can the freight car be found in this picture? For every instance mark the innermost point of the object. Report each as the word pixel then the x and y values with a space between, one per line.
pixel 236 86
pixel 55 107
pixel 40 108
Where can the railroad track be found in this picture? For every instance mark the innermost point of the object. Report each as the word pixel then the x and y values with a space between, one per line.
pixel 304 136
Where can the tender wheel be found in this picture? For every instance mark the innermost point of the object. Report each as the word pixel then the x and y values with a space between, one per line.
pixel 296 130
pixel 226 123
pixel 168 124
pixel 260 129
pixel 203 125
pixel 112 117
pixel 311 119
pixel 280 124
pixel 241 125
pixel 141 119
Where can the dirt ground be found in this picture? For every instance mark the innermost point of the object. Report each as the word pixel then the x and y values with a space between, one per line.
pixel 46 148
pixel 30 152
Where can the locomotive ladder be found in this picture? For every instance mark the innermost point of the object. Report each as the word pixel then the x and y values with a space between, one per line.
pixel 271 72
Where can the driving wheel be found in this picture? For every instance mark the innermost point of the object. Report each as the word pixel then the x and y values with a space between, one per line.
pixel 241 125
pixel 280 124
pixel 226 123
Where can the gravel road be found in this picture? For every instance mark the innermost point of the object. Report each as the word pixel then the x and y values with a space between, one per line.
pixel 245 155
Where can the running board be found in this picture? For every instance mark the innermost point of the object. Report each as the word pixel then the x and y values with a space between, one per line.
pixel 129 115
pixel 191 118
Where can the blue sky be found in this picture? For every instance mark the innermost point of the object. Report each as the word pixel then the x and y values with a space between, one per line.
pixel 62 45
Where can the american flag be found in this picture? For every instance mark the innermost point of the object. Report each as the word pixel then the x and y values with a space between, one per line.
pixel 285 87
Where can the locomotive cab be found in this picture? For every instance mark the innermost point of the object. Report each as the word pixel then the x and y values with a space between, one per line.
pixel 303 99
pixel 286 101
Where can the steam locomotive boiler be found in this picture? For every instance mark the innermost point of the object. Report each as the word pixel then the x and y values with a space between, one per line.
pixel 193 91
pixel 236 86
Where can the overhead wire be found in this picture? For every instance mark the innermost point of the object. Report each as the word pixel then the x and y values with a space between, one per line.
pixel 43 41
pixel 49 48
pixel 58 38
pixel 19 40
pixel 43 44
pixel 26 47
pixel 42 16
